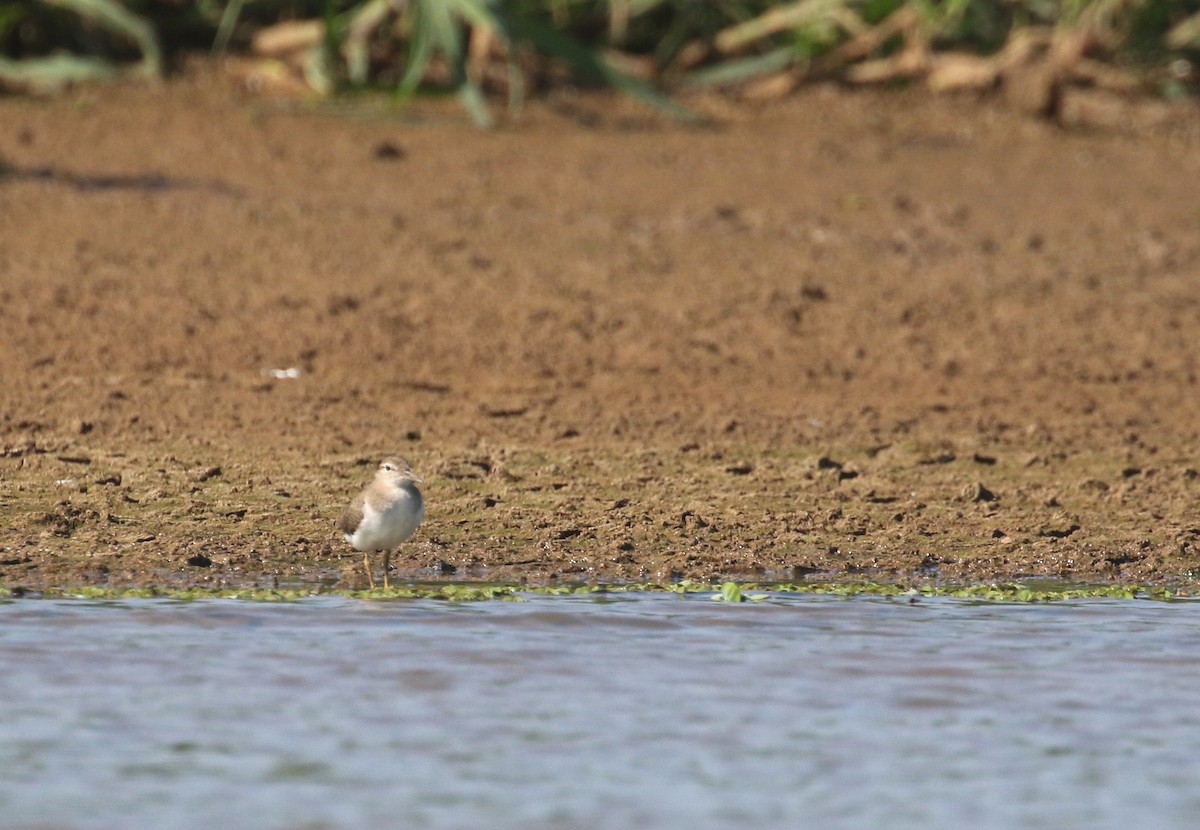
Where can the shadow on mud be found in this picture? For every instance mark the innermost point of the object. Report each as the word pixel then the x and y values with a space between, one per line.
pixel 146 182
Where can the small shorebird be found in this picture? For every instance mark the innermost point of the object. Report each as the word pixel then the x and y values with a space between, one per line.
pixel 384 514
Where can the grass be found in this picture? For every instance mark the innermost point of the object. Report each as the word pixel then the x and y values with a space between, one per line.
pixel 482 49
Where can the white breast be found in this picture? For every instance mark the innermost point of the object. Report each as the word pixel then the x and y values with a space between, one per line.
pixel 385 529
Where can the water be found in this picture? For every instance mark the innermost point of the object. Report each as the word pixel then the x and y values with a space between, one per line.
pixel 639 711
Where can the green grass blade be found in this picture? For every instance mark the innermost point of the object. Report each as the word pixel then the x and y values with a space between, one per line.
pixel 119 20
pixel 229 19
pixel 742 69
pixel 361 22
pixel 475 13
pixel 435 27
pixel 471 96
pixel 420 49
pixel 589 63
pixel 51 74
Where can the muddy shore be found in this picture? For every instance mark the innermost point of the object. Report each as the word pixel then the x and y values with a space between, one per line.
pixel 845 335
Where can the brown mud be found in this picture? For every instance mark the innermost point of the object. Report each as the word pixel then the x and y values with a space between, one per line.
pixel 846 335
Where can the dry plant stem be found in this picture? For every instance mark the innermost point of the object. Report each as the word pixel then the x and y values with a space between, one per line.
pixel 480 48
pixel 771 22
pixel 367 19
pixel 288 38
pixel 904 19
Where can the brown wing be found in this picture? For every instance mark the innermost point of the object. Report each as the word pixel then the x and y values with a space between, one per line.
pixel 353 515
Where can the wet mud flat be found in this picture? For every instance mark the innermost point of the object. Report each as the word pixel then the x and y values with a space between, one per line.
pixel 848 335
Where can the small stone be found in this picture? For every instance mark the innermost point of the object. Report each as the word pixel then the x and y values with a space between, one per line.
pixel 977 492
pixel 389 151
pixel 74 459
pixel 209 473
pixel 1061 531
pixel 939 458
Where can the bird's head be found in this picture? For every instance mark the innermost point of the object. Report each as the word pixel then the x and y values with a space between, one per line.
pixel 397 470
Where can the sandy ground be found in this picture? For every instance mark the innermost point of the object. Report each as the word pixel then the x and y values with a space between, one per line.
pixel 846 335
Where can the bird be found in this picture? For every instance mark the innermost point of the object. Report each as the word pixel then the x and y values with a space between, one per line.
pixel 386 513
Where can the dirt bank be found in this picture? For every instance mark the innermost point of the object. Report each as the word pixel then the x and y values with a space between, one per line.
pixel 845 334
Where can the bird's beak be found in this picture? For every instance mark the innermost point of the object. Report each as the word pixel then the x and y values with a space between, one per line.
pixel 414 477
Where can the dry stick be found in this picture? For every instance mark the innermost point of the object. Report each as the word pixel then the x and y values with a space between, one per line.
pixel 946 72
pixel 1033 86
pixel 774 85
pixel 618 20
pixel 287 38
pixel 778 19
pixel 778 84
pixel 1103 76
pixel 913 60
pixel 904 19
pixel 1185 33
pixel 479 51
pixel 952 72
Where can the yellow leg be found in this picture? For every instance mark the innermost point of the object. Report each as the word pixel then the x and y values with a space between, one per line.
pixel 367 566
pixel 387 555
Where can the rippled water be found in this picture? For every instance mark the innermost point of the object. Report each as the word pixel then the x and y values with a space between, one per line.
pixel 643 711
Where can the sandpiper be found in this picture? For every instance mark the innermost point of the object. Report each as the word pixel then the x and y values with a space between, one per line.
pixel 385 513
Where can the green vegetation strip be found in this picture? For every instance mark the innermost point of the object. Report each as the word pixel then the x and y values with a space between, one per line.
pixel 640 47
pixel 721 592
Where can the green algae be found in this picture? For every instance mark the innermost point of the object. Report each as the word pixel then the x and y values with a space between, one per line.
pixel 728 591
